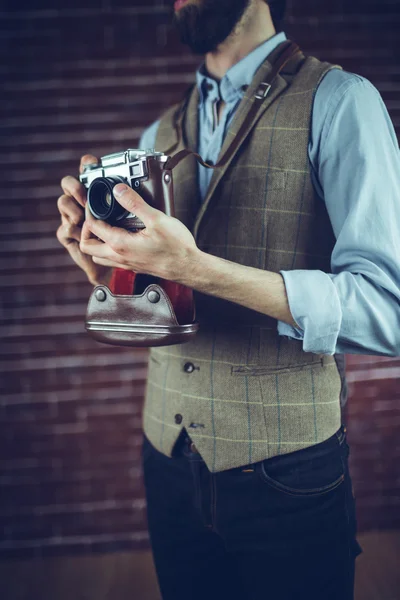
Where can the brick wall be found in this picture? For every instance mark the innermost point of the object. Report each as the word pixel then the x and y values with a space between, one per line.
pixel 87 77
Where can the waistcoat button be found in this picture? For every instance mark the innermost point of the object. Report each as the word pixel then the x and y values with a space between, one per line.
pixel 189 367
pixel 193 448
pixel 178 419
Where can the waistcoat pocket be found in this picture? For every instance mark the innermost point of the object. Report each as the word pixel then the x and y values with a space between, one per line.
pixel 258 370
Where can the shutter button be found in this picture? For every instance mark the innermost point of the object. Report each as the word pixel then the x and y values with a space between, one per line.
pixel 189 367
pixel 153 296
pixel 178 419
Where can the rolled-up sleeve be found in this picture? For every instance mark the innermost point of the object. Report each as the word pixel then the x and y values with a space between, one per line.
pixel 355 157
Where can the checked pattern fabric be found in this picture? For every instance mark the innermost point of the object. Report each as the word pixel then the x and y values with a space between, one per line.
pixel 242 392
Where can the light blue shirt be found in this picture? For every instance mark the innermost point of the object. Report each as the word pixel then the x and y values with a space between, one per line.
pixel 355 166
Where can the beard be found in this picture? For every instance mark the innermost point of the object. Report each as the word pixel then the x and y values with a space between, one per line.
pixel 204 26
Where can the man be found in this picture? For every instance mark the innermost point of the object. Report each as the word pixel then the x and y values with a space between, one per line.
pixel 292 249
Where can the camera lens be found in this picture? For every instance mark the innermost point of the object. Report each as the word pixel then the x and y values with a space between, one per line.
pixel 101 201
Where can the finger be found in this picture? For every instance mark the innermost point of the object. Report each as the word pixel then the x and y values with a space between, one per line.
pixel 67 233
pixel 76 255
pixel 116 237
pixel 69 208
pixel 90 224
pixel 86 234
pixel 109 263
pixel 71 245
pixel 96 248
pixel 65 221
pixel 89 218
pixel 72 187
pixel 135 204
pixel 88 159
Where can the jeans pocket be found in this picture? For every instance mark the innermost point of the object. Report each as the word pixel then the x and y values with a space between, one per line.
pixel 314 471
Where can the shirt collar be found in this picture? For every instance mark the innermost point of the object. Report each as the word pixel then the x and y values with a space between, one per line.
pixel 241 74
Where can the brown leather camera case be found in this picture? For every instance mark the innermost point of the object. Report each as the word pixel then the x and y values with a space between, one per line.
pixel 154 313
pixel 143 320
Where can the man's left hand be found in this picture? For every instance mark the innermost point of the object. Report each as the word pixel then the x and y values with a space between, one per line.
pixel 165 249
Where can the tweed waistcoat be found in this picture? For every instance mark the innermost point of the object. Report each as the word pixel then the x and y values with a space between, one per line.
pixel 242 392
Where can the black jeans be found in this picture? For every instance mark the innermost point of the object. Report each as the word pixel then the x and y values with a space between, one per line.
pixel 280 529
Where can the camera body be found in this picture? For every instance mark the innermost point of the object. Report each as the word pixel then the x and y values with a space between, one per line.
pixel 142 170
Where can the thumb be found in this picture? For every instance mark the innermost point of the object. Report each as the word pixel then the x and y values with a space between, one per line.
pixel 133 202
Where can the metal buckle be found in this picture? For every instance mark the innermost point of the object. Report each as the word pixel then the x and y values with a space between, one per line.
pixel 263 90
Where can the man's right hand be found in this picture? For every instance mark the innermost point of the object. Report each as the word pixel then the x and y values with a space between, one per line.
pixel 71 205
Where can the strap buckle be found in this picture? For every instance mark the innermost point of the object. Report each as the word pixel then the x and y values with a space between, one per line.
pixel 263 90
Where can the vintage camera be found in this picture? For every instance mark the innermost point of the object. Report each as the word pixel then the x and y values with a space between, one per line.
pixel 137 309
pixel 142 170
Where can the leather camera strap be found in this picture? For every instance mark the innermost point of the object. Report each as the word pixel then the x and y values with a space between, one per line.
pixel 289 51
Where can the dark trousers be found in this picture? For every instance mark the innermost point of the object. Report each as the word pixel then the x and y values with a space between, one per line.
pixel 280 529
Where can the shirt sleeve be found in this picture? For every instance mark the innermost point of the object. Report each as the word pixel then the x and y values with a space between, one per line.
pixel 355 157
pixel 148 139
